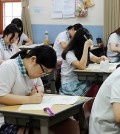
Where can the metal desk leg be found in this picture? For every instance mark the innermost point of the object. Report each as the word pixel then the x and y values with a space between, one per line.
pixel 44 126
pixel 82 121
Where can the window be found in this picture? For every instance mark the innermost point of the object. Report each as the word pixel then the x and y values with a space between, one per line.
pixel 9 9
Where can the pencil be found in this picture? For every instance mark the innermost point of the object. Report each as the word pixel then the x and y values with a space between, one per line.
pixel 85 37
pixel 36 88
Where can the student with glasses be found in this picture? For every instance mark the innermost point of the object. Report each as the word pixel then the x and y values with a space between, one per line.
pixel 19 77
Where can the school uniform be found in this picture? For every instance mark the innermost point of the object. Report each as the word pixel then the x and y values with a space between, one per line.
pixel 113 56
pixel 62 37
pixel 70 85
pixel 14 79
pixel 5 51
pixel 23 37
pixel 102 119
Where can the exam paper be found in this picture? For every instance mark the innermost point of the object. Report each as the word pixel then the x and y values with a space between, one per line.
pixel 49 101
pixel 60 99
pixel 112 66
pixel 34 106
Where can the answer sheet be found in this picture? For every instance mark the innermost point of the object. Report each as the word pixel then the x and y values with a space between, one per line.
pixel 49 101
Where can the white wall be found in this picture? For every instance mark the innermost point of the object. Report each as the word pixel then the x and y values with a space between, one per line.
pixel 95 14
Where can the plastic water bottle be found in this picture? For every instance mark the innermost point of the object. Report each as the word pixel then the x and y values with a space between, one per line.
pixel 46 38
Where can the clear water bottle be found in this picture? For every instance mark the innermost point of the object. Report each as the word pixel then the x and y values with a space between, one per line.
pixel 46 38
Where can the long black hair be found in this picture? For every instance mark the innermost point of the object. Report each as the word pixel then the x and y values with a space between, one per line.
pixel 11 29
pixel 46 55
pixel 18 23
pixel 77 43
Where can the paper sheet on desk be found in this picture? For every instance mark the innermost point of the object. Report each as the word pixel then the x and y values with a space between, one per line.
pixel 60 99
pixel 49 101
pixel 31 46
pixel 112 66
pixel 34 106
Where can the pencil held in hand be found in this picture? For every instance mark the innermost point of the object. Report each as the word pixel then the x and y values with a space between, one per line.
pixel 35 86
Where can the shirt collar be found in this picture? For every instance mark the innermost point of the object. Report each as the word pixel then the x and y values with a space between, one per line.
pixel 4 45
pixel 21 66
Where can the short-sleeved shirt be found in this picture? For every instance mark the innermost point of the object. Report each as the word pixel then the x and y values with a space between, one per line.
pixel 67 69
pixel 102 119
pixel 113 56
pixel 23 37
pixel 5 51
pixel 13 80
pixel 62 37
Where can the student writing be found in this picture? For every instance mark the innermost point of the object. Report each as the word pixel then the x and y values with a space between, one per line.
pixel 18 77
pixel 77 55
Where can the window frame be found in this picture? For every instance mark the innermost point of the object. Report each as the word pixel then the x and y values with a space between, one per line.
pixel 1 12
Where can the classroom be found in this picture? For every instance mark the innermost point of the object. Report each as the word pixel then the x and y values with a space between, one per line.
pixel 59 67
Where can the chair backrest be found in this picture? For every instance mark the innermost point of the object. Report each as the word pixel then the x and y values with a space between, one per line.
pixel 87 106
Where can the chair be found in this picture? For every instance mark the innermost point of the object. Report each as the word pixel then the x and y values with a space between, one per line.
pixel 87 106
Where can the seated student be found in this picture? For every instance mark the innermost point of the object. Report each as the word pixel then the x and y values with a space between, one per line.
pixel 23 36
pixel 60 44
pixel 105 114
pixel 7 48
pixel 77 55
pixel 25 70
pixel 113 46
pixel 63 39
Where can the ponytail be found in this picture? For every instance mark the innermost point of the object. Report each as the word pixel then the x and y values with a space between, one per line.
pixel 45 55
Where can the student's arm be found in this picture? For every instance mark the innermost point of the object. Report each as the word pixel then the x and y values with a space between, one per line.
pixel 28 41
pixel 25 38
pixel 116 111
pixel 63 44
pixel 114 47
pixel 11 99
pixel 98 59
pixel 82 63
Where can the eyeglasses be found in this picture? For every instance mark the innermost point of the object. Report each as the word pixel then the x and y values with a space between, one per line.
pixel 44 71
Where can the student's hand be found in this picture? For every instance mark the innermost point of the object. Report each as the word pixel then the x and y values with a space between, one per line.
pixel 103 58
pixel 89 43
pixel 36 98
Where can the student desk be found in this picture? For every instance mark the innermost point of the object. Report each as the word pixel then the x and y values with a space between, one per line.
pixel 95 73
pixel 40 118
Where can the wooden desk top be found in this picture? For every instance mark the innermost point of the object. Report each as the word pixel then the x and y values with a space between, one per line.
pixel 95 68
pixel 56 108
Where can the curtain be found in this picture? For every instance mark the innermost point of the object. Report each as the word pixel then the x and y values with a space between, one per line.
pixel 111 17
pixel 26 18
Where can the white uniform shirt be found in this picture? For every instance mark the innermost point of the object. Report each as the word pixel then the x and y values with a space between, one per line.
pixel 114 56
pixel 102 119
pixel 62 37
pixel 12 81
pixel 23 37
pixel 67 69
pixel 6 53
